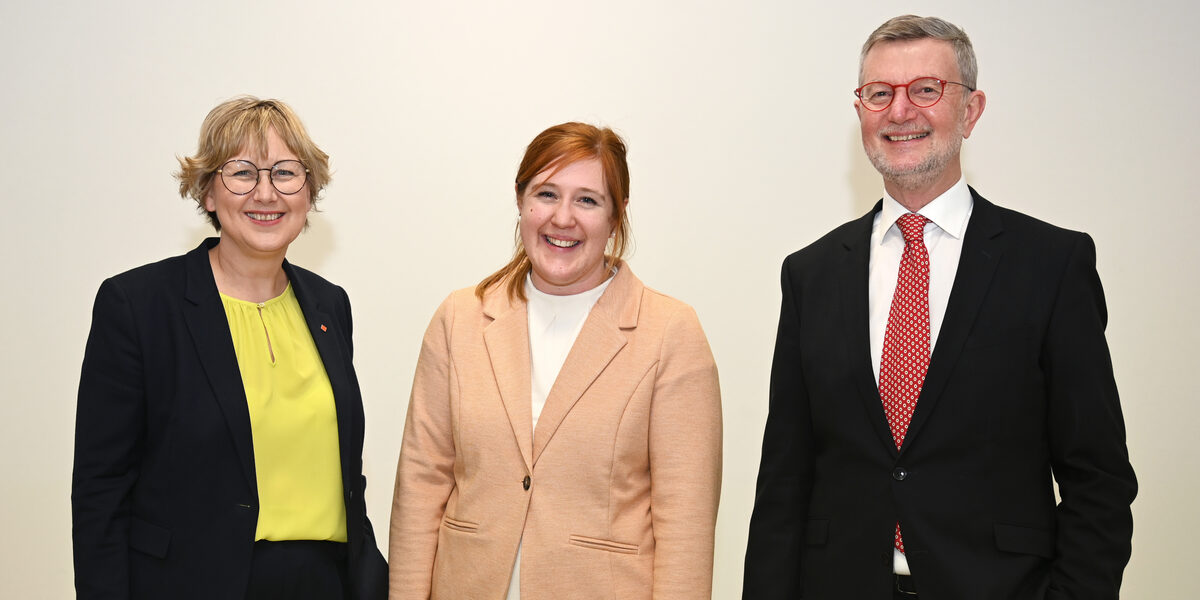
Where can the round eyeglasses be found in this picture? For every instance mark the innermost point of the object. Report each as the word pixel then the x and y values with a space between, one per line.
pixel 923 92
pixel 241 176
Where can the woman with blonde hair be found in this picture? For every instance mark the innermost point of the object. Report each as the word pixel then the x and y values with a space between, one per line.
pixel 219 431
pixel 563 438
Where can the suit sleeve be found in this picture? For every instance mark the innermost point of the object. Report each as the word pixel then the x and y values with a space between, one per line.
pixel 370 576
pixel 1087 439
pixel 685 460
pixel 109 439
pixel 425 474
pixel 773 551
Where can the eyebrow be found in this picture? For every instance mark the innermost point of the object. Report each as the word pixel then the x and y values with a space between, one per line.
pixel 585 190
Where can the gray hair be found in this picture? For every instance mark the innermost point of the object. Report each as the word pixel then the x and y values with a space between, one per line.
pixel 912 27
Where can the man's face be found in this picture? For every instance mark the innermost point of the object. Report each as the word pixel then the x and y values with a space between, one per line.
pixel 913 147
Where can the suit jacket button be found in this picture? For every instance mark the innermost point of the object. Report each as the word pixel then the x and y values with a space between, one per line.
pixel 525 482
pixel 899 473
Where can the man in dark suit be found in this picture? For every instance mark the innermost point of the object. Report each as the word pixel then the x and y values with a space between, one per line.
pixel 940 363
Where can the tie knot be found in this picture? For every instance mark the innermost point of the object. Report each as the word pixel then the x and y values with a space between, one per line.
pixel 912 227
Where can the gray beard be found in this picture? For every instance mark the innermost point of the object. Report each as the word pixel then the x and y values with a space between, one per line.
pixel 924 173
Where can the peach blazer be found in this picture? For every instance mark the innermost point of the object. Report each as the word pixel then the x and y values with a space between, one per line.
pixel 613 496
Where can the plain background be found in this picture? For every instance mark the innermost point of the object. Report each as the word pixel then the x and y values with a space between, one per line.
pixel 743 148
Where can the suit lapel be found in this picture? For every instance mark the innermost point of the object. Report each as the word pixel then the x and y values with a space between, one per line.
pixel 333 357
pixel 599 341
pixel 854 281
pixel 209 327
pixel 507 341
pixel 981 252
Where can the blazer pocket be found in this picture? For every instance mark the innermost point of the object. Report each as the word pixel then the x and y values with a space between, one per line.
pixel 456 525
pixel 1025 540
pixel 816 532
pixel 602 544
pixel 149 538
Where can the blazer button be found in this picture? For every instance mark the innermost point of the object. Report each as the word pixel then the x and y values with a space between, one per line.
pixel 525 482
pixel 899 473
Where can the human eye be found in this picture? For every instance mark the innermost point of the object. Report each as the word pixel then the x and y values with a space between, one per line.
pixel 283 173
pixel 546 194
pixel 239 169
pixel 927 89
pixel 877 92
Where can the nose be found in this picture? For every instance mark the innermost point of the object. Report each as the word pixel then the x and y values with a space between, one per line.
pixel 562 215
pixel 264 190
pixel 901 109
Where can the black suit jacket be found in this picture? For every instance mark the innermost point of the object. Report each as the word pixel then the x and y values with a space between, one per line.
pixel 1019 393
pixel 164 495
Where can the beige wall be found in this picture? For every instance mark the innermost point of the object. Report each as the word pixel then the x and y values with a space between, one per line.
pixel 743 147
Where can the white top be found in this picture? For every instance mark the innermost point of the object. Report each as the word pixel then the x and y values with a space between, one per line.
pixel 554 323
pixel 948 215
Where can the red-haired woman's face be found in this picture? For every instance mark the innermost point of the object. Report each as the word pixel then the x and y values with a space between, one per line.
pixel 565 226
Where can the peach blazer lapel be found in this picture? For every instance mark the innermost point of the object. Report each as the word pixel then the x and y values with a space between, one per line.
pixel 507 341
pixel 598 343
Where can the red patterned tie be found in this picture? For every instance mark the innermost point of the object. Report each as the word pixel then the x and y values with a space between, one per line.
pixel 906 341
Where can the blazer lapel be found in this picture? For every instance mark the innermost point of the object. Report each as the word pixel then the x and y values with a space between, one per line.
pixel 209 327
pixel 507 341
pixel 597 344
pixel 333 358
pixel 981 252
pixel 854 276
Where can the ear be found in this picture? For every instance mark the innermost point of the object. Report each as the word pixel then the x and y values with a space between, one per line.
pixel 209 204
pixel 858 109
pixel 975 104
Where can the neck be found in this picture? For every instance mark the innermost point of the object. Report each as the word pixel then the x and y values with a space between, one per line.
pixel 914 191
pixel 254 279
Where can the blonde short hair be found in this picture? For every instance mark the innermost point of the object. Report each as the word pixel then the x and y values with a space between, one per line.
pixel 236 124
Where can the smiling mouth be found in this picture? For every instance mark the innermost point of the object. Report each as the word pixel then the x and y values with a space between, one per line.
pixel 907 137
pixel 265 216
pixel 561 243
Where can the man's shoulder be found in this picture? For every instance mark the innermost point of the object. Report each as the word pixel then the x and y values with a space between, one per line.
pixel 841 238
pixel 987 216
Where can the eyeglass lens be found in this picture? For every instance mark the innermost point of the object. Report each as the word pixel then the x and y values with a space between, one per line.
pixel 241 176
pixel 923 93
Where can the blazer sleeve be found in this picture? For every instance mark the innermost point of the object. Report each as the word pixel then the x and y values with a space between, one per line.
pixel 109 439
pixel 1087 439
pixel 773 551
pixel 425 474
pixel 685 460
pixel 370 576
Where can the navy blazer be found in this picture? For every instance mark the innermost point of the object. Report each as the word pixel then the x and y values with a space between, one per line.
pixel 1019 394
pixel 164 495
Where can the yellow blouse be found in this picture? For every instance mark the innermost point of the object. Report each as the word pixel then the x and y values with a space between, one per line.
pixel 292 419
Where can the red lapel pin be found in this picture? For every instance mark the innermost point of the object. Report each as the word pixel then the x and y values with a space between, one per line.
pixel 323 328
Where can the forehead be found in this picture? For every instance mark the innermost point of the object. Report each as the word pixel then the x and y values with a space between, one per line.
pixel 903 61
pixel 586 172
pixel 275 149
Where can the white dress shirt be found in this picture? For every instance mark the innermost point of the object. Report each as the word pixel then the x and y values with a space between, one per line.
pixel 554 323
pixel 948 215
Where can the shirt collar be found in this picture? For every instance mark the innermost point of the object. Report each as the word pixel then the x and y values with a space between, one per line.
pixel 949 211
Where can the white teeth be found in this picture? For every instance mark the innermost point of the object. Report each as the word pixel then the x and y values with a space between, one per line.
pixel 561 243
pixel 264 216
pixel 905 138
